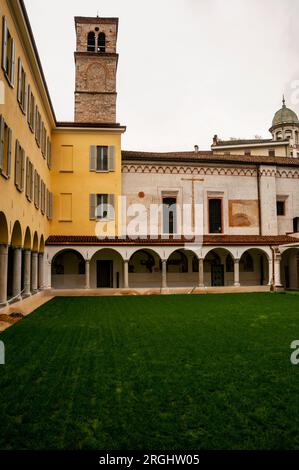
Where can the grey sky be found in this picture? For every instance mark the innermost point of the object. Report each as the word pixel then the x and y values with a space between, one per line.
pixel 188 69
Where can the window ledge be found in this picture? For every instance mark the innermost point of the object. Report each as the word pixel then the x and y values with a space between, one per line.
pixel 65 171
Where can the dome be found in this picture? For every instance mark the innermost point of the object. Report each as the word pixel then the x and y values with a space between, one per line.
pixel 285 116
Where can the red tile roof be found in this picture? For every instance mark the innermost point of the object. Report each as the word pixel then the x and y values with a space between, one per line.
pixel 212 240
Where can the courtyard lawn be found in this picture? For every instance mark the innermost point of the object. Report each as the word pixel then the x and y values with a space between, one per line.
pixel 161 372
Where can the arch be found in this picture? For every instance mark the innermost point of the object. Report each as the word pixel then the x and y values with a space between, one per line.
pixel 3 229
pixel 68 270
pixel 145 268
pixel 102 42
pixel 289 267
pixel 106 268
pixel 177 262
pixel 42 244
pixel 91 42
pixel 215 273
pixel 27 240
pixel 96 77
pixel 182 268
pixel 35 243
pixel 16 237
pixel 254 267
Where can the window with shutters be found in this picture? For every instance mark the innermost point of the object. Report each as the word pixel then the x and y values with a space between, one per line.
pixel 8 54
pixel 44 140
pixel 29 179
pixel 22 86
pixel 36 189
pixel 5 148
pixel 49 204
pixel 19 167
pixel 42 197
pixel 49 153
pixel 31 109
pixel 102 159
pixel 38 123
pixel 102 207
pixel 215 215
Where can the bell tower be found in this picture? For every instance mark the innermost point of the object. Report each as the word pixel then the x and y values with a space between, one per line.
pixel 96 66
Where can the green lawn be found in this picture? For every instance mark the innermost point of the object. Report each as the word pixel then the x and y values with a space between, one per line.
pixel 170 372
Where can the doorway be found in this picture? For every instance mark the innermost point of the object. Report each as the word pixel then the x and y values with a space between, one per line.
pixel 217 273
pixel 104 274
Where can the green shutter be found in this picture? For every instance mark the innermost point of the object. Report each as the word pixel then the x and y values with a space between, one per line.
pixel 93 158
pixel 92 206
pixel 19 91
pixel 111 158
pixel 4 45
pixel 1 143
pixel 9 153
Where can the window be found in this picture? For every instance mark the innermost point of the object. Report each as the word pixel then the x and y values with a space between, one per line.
pixel 19 167
pixel 247 153
pixel 102 42
pixel 42 197
pixel 49 153
pixel 102 158
pixel 280 207
pixel 229 263
pixel 49 204
pixel 8 54
pixel 296 224
pixel 215 215
pixel 22 87
pixel 36 189
pixel 29 179
pixel 31 109
pixel 271 153
pixel 43 140
pixel 101 207
pixel 91 42
pixel 5 148
pixel 38 128
pixel 169 215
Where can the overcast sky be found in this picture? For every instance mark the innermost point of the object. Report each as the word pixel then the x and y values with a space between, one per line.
pixel 188 69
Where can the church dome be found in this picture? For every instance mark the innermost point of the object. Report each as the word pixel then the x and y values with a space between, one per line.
pixel 285 116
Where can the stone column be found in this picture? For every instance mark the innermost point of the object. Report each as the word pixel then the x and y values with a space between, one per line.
pixel 17 273
pixel 277 270
pixel 41 271
pixel 164 274
pixel 201 272
pixel 87 274
pixel 236 272
pixel 126 274
pixel 3 274
pixel 270 272
pixel 27 273
pixel 34 270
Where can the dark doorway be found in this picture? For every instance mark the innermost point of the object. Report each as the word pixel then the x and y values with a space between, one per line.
pixel 105 274
pixel 215 215
pixel 217 272
pixel 287 277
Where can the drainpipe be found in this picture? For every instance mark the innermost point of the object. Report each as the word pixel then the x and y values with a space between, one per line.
pixel 259 198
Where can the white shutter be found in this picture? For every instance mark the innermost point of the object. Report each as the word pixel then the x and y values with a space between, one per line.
pixel 111 202
pixel 111 158
pixel 92 206
pixel 93 158
pixel 19 91
pixel 4 44
pixel 1 142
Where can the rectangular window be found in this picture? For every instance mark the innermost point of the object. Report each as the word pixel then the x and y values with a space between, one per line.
pixel 5 148
pixel 215 215
pixel 65 208
pixel 101 207
pixel 49 153
pixel 8 54
pixel 19 167
pixel 49 204
pixel 280 207
pixel 43 140
pixel 38 124
pixel 31 109
pixel 36 189
pixel 66 158
pixel 271 153
pixel 247 153
pixel 42 197
pixel 22 87
pixel 169 215
pixel 102 158
pixel 29 179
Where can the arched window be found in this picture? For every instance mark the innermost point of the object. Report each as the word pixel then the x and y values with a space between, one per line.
pixel 246 263
pixel 229 263
pixel 102 42
pixel 91 42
